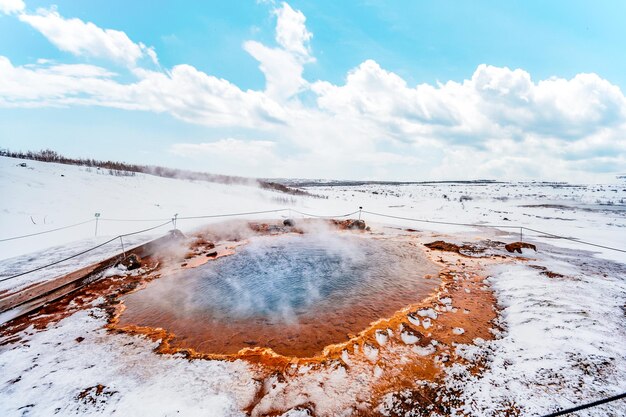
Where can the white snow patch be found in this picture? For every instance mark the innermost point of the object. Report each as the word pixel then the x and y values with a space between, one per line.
pixel 370 352
pixel 427 312
pixel 414 320
pixel 381 337
pixel 409 338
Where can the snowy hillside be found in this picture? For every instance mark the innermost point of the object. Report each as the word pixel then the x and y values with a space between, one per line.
pixel 43 196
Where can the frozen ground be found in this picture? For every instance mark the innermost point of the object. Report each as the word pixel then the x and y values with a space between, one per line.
pixel 562 339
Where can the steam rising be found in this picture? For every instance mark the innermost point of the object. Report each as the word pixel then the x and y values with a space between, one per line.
pixel 294 293
pixel 279 278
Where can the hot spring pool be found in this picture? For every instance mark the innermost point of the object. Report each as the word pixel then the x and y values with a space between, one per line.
pixel 293 293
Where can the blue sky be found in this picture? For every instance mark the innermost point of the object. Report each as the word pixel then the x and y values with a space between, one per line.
pixel 389 47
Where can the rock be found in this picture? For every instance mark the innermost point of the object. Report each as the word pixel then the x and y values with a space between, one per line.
pixel 176 234
pixel 211 255
pixel 518 246
pixel 131 262
pixel 289 222
pixel 443 246
pixel 23 165
pixel 202 242
pixel 358 224
pixel 350 224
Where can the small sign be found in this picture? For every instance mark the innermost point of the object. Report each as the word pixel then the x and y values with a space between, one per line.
pixel 97 214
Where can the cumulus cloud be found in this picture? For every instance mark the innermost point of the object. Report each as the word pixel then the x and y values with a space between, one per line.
pixel 183 92
pixel 86 39
pixel 291 31
pixel 283 66
pixel 494 102
pixel 11 6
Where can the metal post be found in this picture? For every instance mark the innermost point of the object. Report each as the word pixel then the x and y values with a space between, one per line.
pixel 97 216
pixel 122 242
pixel 521 236
pixel 174 220
pixel 360 209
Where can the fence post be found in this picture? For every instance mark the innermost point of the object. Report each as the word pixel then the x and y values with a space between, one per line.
pixel 97 216
pixel 174 220
pixel 360 209
pixel 122 242
pixel 521 235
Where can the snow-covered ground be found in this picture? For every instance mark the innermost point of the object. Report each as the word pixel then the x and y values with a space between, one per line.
pixel 562 339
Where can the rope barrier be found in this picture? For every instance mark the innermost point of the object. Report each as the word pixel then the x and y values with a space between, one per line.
pixel 324 217
pixel 46 231
pixel 497 227
pixel 278 211
pixel 133 220
pixel 441 222
pixel 231 214
pixel 58 262
pixel 588 405
pixel 575 240
pixel 81 253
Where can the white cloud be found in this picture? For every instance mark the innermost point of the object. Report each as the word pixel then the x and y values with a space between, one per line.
pixel 183 92
pixel 291 31
pixel 494 102
pixel 11 6
pixel 283 66
pixel 283 71
pixel 86 39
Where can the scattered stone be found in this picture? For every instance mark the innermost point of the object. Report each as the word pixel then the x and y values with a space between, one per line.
pixel 350 224
pixel 23 165
pixel 211 255
pixel 289 222
pixel 96 395
pixel 518 246
pixel 131 262
pixel 443 246
pixel 551 274
pixel 79 339
pixel 546 272
pixel 201 242
pixel 176 234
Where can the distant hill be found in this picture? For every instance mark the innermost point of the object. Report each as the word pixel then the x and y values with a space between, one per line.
pixel 125 169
